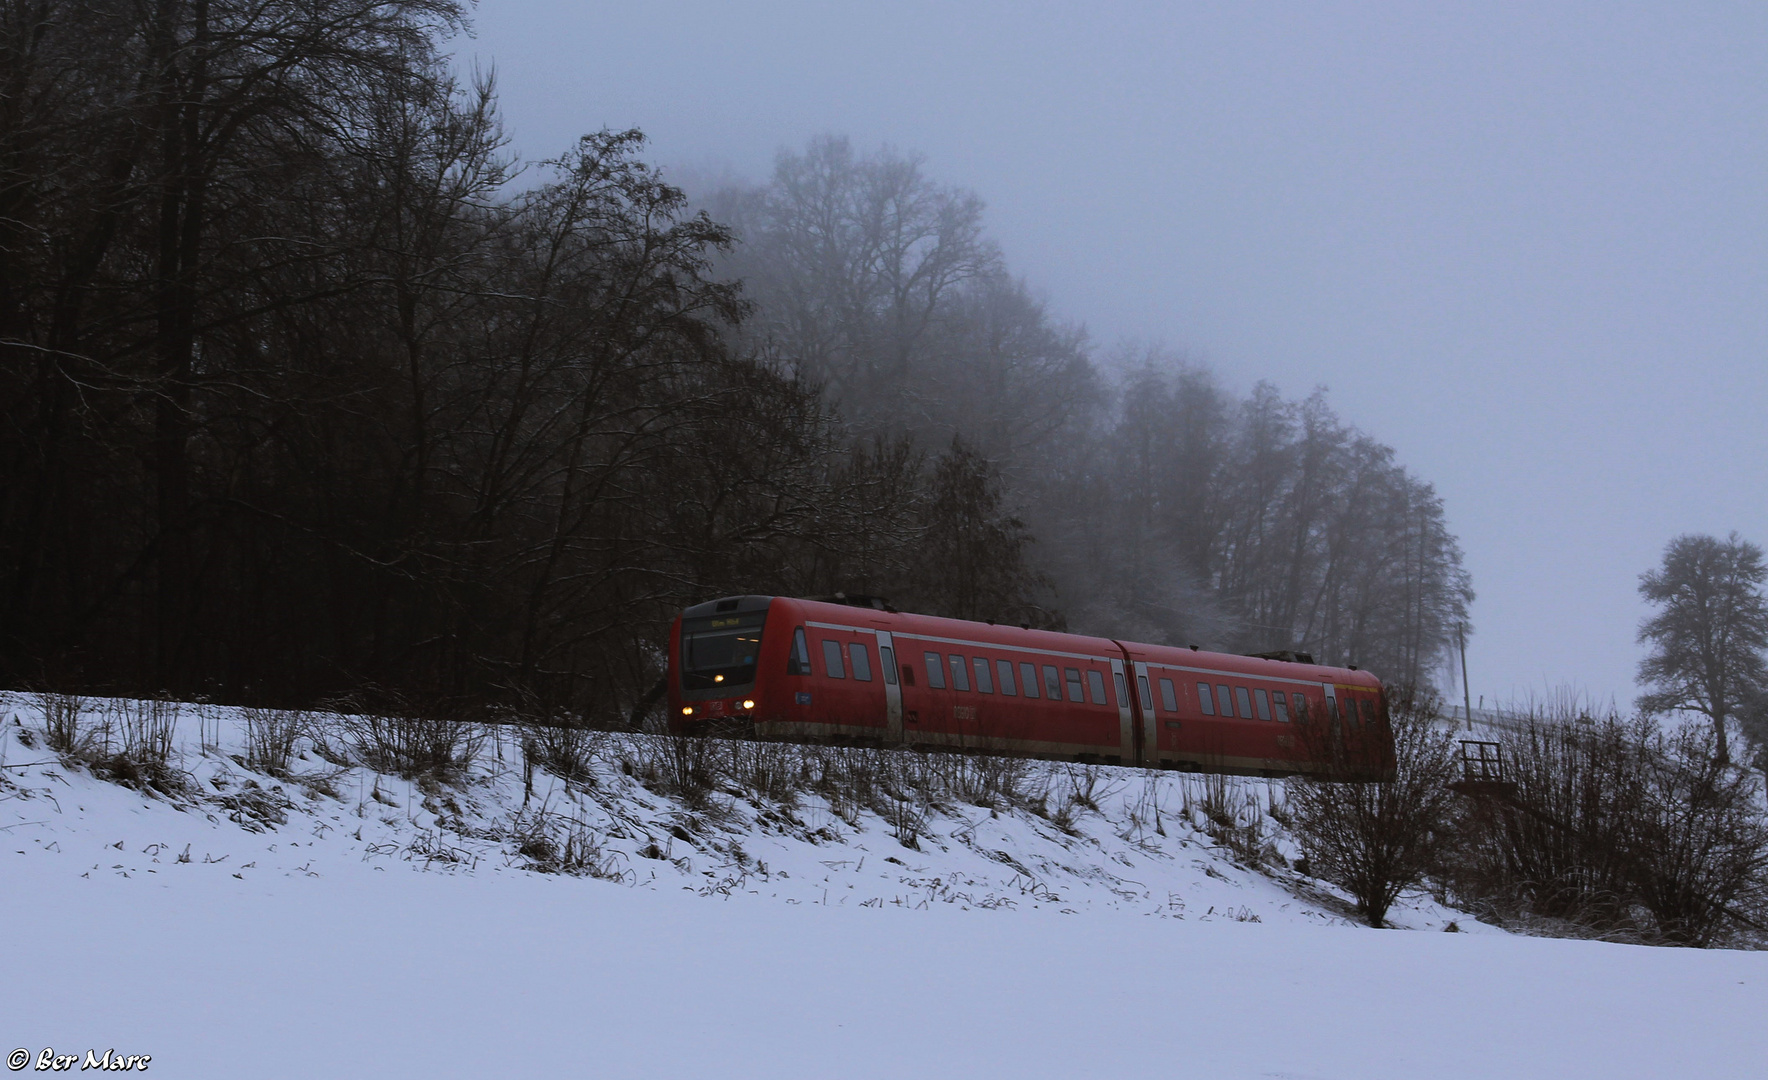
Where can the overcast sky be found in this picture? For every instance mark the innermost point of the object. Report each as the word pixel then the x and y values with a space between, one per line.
pixel 1525 245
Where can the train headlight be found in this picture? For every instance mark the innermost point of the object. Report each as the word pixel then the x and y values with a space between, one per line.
pixel 748 704
pixel 718 678
pixel 687 710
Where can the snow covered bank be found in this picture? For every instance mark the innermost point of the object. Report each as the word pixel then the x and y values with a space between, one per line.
pixel 376 936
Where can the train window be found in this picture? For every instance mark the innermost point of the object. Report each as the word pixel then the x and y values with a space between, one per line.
pixel 1096 684
pixel 960 673
pixel 1168 697
pixel 887 663
pixel 832 660
pixel 1004 671
pixel 1260 698
pixel 1147 694
pixel 935 670
pixel 1052 683
pixel 1204 698
pixel 984 682
pixel 1300 702
pixel 1123 696
pixel 1281 703
pixel 1350 711
pixel 861 661
pixel 798 662
pixel 1240 695
pixel 1028 679
pixel 720 650
pixel 1075 693
pixel 1224 700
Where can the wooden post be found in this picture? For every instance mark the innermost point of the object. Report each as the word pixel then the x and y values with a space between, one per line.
pixel 1466 692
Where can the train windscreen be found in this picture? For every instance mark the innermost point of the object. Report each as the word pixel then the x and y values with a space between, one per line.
pixel 720 652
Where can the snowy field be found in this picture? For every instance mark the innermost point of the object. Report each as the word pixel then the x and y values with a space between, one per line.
pixel 345 923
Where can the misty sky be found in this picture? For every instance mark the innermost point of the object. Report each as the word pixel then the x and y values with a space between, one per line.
pixel 1523 245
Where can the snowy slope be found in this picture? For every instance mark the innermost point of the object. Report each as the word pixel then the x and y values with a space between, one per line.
pixel 357 924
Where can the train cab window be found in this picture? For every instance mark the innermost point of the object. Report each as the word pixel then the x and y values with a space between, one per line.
pixel 984 681
pixel 798 661
pixel 1075 693
pixel 935 670
pixel 960 673
pixel 719 650
pixel 1300 703
pixel 1004 676
pixel 1261 699
pixel 1052 683
pixel 1096 684
pixel 1028 679
pixel 1147 694
pixel 832 660
pixel 861 661
pixel 1204 698
pixel 1167 697
pixel 1224 700
pixel 1280 704
pixel 887 664
pixel 1245 701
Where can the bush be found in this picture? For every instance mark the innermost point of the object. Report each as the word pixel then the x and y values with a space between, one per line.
pixel 412 745
pixel 1552 848
pixel 1701 845
pixel 1618 829
pixel 139 735
pixel 567 751
pixel 271 736
pixel 1376 839
pixel 61 722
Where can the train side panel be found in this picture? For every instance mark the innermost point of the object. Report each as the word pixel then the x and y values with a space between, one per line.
pixel 836 672
pixel 1217 712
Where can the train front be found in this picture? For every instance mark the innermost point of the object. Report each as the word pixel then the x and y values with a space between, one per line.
pixel 715 655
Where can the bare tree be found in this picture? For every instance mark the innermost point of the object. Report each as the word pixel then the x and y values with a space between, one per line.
pixel 1376 839
pixel 1708 636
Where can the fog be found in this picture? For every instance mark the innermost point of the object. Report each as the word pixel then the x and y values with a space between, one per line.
pixel 1523 246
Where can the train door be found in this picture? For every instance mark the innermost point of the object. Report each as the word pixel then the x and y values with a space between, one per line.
pixel 1150 748
pixel 888 666
pixel 1128 736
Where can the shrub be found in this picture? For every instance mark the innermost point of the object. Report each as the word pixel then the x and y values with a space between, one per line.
pixel 1617 828
pixel 61 722
pixel 413 745
pixel 142 732
pixel 271 736
pixel 1376 839
pixel 567 751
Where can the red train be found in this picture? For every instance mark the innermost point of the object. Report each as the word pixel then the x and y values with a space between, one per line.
pixel 861 672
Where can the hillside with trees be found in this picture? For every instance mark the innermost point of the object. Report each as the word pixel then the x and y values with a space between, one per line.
pixel 308 389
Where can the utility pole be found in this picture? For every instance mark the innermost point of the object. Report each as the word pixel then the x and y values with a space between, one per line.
pixel 1466 691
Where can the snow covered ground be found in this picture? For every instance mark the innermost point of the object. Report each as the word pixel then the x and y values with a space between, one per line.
pixel 348 923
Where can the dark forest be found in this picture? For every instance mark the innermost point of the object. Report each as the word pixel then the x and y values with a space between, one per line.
pixel 309 389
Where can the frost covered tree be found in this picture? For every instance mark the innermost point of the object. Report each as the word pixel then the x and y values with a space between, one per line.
pixel 1709 633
